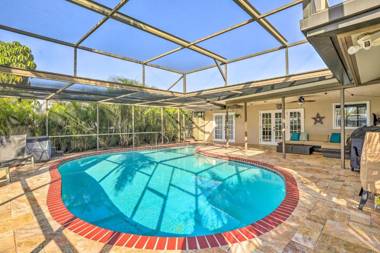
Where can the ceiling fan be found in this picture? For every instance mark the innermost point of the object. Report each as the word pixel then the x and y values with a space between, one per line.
pixel 365 41
pixel 301 100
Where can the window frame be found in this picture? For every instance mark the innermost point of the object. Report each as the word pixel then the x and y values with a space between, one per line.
pixel 224 127
pixel 368 114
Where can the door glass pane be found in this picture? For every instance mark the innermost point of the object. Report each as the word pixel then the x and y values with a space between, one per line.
pixel 231 127
pixel 266 129
pixel 218 131
pixel 277 127
pixel 295 122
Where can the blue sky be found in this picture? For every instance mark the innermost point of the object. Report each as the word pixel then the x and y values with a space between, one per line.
pixel 189 21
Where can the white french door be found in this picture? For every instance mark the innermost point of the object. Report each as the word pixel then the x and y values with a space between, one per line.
pixel 220 127
pixel 270 125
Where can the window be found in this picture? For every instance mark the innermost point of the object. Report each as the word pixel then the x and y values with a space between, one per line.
pixel 219 127
pixel 295 125
pixel 356 115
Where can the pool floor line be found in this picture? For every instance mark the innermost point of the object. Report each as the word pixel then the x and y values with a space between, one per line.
pixel 90 231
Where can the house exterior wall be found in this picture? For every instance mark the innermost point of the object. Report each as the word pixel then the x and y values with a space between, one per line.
pixel 316 132
pixel 198 128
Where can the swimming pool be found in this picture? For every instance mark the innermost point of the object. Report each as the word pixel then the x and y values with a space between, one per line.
pixel 170 192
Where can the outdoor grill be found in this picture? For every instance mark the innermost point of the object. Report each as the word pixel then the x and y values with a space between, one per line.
pixel 356 142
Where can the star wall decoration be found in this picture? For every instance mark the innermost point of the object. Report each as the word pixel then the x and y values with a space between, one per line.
pixel 318 119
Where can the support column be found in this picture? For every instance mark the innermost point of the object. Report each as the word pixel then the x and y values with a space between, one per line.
pixel 226 132
pixel 162 125
pixel 97 126
pixel 133 126
pixel 225 75
pixel 286 61
pixel 178 125
pixel 47 117
pixel 283 127
pixel 75 61
pixel 342 129
pixel 184 88
pixel 245 127
pixel 183 126
pixel 143 75
pixel 195 127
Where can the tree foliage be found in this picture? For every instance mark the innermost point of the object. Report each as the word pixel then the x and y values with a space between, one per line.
pixel 14 54
pixel 21 117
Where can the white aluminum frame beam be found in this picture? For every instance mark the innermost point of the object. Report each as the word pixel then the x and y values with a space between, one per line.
pixel 294 44
pixel 241 24
pixel 175 83
pixel 101 22
pixel 88 49
pixel 254 13
pixel 103 10
pixel 222 72
pixel 111 12
pixel 83 80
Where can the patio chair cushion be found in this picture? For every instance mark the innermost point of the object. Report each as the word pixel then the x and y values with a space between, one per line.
pixel 335 138
pixel 295 137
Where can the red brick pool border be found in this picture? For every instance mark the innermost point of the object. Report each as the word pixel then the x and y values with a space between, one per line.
pixel 64 217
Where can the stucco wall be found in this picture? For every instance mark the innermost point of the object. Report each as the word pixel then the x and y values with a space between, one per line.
pixel 198 128
pixel 316 132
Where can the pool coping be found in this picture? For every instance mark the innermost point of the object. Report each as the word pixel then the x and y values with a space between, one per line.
pixel 63 216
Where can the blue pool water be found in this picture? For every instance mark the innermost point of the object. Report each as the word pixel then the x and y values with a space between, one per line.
pixel 168 192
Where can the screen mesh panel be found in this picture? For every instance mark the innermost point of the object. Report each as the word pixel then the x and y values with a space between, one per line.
pixel 184 60
pixel 245 40
pixel 54 18
pixel 303 58
pixel 107 68
pixel 122 39
pixel 190 20
pixel 47 56
pixel 288 23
